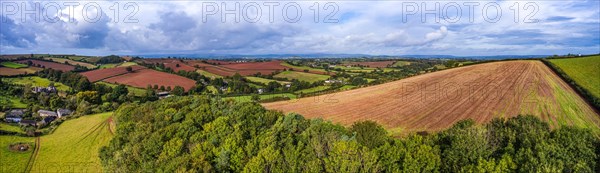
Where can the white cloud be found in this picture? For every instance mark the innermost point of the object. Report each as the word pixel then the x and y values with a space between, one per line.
pixel 364 27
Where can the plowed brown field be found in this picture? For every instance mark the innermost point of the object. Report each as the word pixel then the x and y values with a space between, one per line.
pixel 5 71
pixel 98 75
pixel 144 77
pixel 182 66
pixel 437 100
pixel 46 64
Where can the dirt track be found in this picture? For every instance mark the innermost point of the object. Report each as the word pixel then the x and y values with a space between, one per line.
pixel 437 100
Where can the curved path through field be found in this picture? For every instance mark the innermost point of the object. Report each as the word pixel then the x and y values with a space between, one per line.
pixel 437 100
pixel 36 150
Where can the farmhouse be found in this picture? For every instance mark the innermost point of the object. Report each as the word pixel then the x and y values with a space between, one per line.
pixel 49 89
pixel 46 113
pixel 333 81
pixel 27 123
pixel 63 112
pixel 164 94
pixel 14 115
pixel 46 121
pixel 12 119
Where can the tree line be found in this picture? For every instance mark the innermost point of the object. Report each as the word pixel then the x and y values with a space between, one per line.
pixel 204 134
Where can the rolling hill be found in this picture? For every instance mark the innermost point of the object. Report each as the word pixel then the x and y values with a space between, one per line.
pixel 435 101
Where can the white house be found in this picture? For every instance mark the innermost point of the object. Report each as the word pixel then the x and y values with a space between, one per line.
pixel 63 112
pixel 46 113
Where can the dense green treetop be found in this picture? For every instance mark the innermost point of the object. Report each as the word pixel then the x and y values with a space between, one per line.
pixel 203 134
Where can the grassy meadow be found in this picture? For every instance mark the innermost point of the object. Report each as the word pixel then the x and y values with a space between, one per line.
pixel 13 65
pixel 14 161
pixel 74 146
pixel 585 71
pixel 263 80
pixel 103 66
pixel 313 89
pixel 127 64
pixel 248 98
pixel 38 82
pixel 301 68
pixel 208 74
pixel 301 76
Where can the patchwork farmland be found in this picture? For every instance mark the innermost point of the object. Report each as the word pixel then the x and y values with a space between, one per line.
pixel 72 62
pixel 437 100
pixel 243 68
pixel 372 64
pixel 6 71
pixel 46 64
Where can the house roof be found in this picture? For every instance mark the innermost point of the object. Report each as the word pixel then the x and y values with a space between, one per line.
pixel 47 112
pixel 64 111
pixel 49 119
pixel 15 113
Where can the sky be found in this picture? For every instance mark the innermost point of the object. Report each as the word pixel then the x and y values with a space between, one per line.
pixel 461 28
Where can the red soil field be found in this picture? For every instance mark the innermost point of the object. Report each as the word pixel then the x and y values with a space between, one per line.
pixel 100 74
pixel 182 66
pixel 52 65
pixel 435 101
pixel 195 63
pixel 219 70
pixel 5 71
pixel 219 62
pixel 142 78
pixel 373 64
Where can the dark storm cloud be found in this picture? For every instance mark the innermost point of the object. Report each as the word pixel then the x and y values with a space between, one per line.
pixel 15 35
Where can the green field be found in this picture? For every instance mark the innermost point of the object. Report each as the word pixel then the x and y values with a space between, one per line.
pixel 14 102
pixel 356 69
pixel 301 68
pixel 74 145
pixel 440 66
pixel 312 90
pixel 301 76
pixel 347 87
pixel 103 66
pixel 11 128
pixel 13 65
pixel 585 71
pixel 263 80
pixel 38 82
pixel 401 63
pixel 134 90
pixel 248 98
pixel 126 64
pixel 208 74
pixel 14 161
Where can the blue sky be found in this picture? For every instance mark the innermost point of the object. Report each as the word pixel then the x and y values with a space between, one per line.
pixel 460 28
